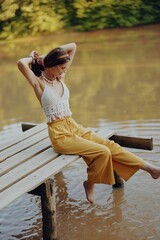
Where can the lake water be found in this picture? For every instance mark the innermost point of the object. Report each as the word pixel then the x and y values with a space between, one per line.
pixel 114 83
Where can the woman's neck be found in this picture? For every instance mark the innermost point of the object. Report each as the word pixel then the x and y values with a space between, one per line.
pixel 49 76
pixel 51 81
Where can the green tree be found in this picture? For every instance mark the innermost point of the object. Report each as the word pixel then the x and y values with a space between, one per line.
pixel 30 17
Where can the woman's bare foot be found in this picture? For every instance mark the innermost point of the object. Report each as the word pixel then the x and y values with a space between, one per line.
pixel 89 190
pixel 153 170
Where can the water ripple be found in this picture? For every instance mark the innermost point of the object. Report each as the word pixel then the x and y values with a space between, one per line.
pixel 131 211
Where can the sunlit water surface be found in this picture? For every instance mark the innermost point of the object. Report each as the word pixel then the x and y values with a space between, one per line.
pixel 114 83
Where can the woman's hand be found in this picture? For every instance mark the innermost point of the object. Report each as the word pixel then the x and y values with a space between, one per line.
pixel 35 55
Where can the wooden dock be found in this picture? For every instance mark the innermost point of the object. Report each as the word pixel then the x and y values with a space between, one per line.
pixel 28 164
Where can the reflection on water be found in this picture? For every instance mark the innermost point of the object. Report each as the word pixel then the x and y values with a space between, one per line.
pixel 115 78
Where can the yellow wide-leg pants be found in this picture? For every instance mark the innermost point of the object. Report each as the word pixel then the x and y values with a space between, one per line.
pixel 102 156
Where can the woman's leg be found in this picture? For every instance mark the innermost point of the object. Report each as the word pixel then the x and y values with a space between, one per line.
pixel 101 155
pixel 97 157
pixel 124 162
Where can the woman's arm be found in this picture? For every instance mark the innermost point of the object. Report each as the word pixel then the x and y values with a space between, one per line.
pixel 71 50
pixel 24 66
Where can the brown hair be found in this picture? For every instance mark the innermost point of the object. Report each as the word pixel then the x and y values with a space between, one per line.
pixel 37 68
pixel 55 57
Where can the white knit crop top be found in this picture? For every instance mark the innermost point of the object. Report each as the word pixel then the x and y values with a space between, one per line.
pixel 55 106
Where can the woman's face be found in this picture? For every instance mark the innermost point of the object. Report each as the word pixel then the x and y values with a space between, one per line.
pixel 63 68
pixel 60 69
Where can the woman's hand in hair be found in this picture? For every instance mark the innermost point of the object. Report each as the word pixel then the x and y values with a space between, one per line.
pixel 71 50
pixel 26 65
pixel 34 54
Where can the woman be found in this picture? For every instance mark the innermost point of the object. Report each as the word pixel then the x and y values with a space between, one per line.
pixel 102 156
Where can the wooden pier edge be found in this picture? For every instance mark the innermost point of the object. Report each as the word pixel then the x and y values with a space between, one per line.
pixel 124 141
pixel 133 142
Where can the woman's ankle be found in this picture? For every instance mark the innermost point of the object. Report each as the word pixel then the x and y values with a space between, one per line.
pixel 152 170
pixel 89 190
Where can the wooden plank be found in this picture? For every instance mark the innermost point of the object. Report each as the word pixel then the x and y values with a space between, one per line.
pixel 24 136
pixel 27 125
pixel 106 133
pixel 23 145
pixel 26 168
pixel 35 179
pixel 133 142
pixel 23 156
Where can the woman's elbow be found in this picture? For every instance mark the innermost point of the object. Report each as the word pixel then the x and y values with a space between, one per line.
pixel 74 45
pixel 20 64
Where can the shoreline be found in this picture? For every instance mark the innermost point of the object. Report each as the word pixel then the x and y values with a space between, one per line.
pixel 72 32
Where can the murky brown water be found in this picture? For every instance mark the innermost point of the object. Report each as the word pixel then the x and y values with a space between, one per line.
pixel 114 83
